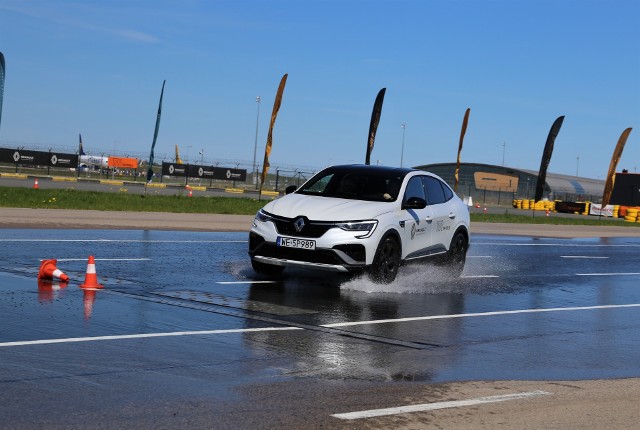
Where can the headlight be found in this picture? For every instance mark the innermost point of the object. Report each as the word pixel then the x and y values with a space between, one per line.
pixel 367 227
pixel 261 216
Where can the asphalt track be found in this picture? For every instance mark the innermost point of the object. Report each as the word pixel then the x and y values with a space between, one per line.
pixel 542 332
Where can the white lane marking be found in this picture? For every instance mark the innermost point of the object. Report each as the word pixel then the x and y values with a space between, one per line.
pixel 479 256
pixel 143 335
pixel 479 314
pixel 344 324
pixel 103 259
pixel 245 282
pixel 609 274
pixel 580 256
pixel 480 276
pixel 440 405
pixel 123 241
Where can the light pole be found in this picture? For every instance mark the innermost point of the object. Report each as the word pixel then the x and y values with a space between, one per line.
pixel 504 148
pixel 577 164
pixel 201 157
pixel 255 145
pixel 403 125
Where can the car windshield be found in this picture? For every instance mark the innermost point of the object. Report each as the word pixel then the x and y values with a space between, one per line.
pixel 377 185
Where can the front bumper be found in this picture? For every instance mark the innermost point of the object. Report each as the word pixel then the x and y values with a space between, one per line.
pixel 335 256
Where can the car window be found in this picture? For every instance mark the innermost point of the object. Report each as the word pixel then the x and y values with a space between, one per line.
pixel 414 189
pixel 319 186
pixel 448 194
pixel 435 193
pixel 356 185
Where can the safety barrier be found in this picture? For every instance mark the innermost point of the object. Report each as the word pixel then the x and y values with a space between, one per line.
pixel 629 213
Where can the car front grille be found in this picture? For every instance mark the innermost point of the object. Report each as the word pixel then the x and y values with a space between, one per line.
pixel 311 229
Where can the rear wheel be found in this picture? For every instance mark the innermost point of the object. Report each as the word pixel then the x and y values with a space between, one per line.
pixel 266 269
pixel 386 261
pixel 457 255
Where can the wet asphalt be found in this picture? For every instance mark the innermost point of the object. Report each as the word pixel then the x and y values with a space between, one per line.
pixel 185 335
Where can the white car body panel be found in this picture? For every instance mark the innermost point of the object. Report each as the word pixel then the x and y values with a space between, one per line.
pixel 422 232
pixel 328 208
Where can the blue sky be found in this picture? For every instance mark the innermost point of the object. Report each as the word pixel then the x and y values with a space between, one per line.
pixel 96 68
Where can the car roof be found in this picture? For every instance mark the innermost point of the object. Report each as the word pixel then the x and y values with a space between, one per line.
pixel 369 168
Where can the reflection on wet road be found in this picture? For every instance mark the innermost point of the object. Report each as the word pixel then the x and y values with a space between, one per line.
pixel 183 315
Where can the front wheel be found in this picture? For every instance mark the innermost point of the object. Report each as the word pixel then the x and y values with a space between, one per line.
pixel 266 269
pixel 457 255
pixel 386 261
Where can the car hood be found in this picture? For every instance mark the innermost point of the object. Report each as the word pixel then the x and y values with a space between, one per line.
pixel 327 208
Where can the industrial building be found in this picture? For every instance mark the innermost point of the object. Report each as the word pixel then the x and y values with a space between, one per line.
pixel 490 184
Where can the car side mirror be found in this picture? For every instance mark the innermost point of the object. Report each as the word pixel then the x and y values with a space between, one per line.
pixel 290 189
pixel 415 203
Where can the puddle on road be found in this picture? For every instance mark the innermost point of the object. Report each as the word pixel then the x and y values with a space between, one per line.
pixel 250 305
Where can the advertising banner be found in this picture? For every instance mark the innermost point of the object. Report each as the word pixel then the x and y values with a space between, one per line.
pixel 626 189
pixel 38 158
pixel 570 207
pixel 195 171
pixel 495 182
pixel 174 169
pixel 6 155
pixel 58 159
pixel 123 162
pixel 596 209
pixel 205 172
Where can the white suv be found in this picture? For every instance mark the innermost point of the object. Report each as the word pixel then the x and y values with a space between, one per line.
pixel 362 218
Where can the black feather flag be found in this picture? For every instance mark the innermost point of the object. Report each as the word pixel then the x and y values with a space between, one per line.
pixel 462 132
pixel 155 135
pixel 373 126
pixel 274 114
pixel 611 175
pixel 546 157
pixel 2 68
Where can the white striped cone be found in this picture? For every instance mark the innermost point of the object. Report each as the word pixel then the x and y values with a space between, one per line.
pixel 91 278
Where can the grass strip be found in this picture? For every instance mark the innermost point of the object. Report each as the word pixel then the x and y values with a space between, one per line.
pixel 17 197
pixel 94 200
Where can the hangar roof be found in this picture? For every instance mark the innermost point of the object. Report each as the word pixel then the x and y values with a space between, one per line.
pixel 557 183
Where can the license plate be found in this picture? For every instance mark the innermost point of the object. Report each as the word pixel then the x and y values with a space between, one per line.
pixel 292 242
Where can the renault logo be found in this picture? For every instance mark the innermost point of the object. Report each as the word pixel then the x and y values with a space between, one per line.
pixel 299 224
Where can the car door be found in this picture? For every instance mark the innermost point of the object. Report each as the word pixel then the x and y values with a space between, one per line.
pixel 441 204
pixel 416 224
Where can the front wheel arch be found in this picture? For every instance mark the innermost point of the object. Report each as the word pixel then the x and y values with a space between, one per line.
pixel 457 254
pixel 387 258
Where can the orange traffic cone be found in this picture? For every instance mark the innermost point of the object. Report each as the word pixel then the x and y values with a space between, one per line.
pixel 547 212
pixel 48 270
pixel 190 191
pixel 91 279
pixel 35 184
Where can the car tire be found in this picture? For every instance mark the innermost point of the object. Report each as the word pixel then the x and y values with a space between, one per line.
pixel 266 269
pixel 457 255
pixel 386 261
